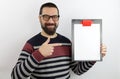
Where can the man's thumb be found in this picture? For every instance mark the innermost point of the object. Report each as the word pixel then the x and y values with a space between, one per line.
pixel 47 41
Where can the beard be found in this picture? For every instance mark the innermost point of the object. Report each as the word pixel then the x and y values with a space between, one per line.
pixel 49 30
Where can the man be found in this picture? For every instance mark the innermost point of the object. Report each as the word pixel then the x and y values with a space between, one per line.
pixel 44 56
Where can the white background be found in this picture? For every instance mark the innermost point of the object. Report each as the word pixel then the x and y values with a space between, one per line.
pixel 19 22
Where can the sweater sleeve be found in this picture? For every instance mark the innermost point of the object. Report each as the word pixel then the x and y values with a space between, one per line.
pixel 81 67
pixel 27 62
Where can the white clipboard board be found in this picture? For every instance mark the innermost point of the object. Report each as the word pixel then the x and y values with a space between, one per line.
pixel 86 39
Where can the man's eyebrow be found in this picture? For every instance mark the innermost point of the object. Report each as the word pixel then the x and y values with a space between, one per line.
pixel 49 15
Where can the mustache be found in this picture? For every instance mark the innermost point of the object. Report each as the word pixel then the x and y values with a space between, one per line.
pixel 49 24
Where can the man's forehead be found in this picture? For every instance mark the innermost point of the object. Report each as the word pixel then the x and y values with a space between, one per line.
pixel 49 10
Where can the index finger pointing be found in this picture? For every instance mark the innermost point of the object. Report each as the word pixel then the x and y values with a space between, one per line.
pixel 56 44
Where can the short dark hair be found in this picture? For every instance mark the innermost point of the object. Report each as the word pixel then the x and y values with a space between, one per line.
pixel 49 4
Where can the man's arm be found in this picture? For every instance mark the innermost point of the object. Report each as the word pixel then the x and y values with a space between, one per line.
pixel 29 59
pixel 27 62
pixel 81 67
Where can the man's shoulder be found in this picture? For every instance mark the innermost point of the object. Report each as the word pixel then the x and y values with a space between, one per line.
pixel 34 39
pixel 64 38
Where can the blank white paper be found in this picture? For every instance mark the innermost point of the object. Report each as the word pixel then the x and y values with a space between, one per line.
pixel 86 42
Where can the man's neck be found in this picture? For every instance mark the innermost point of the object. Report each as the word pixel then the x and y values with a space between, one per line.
pixel 48 36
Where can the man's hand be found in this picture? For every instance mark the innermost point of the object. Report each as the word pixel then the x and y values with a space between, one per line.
pixel 103 50
pixel 48 49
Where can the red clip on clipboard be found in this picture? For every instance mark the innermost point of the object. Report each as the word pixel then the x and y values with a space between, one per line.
pixel 86 22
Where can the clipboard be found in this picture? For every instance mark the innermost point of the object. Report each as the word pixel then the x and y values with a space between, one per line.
pixel 87 39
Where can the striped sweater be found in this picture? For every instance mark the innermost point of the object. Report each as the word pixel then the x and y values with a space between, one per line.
pixel 57 66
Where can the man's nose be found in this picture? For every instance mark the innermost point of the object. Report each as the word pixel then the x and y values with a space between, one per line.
pixel 51 20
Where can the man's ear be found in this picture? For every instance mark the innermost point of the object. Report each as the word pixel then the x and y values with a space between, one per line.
pixel 39 18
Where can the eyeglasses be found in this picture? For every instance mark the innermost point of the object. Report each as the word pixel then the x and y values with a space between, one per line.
pixel 47 17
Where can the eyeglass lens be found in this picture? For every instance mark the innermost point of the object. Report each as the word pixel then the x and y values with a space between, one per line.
pixel 47 17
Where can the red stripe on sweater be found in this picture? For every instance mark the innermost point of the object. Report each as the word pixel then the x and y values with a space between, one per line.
pixel 28 47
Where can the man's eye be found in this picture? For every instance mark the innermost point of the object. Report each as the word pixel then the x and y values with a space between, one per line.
pixel 55 16
pixel 46 16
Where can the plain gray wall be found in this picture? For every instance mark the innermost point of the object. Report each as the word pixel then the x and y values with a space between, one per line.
pixel 19 22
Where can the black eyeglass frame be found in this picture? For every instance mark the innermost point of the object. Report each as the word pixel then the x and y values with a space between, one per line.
pixel 47 17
